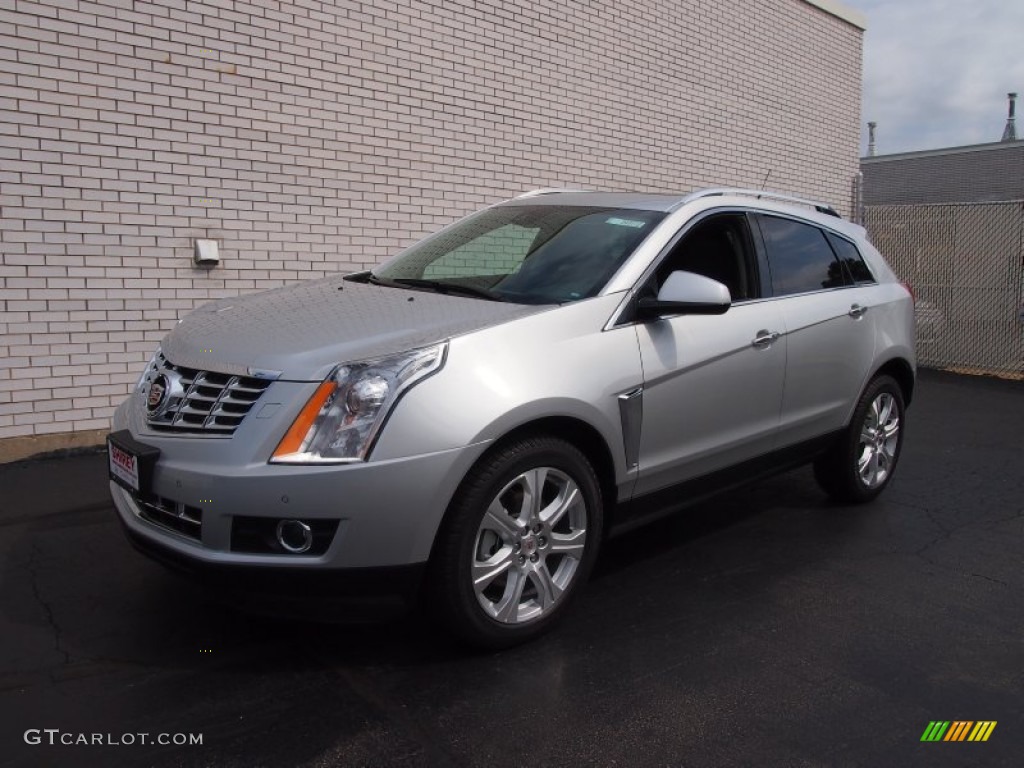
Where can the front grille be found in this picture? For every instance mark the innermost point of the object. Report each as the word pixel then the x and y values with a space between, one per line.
pixel 179 517
pixel 197 401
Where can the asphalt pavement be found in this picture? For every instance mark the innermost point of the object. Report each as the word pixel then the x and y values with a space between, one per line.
pixel 767 627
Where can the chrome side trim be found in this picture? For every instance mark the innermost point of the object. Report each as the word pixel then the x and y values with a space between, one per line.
pixel 631 411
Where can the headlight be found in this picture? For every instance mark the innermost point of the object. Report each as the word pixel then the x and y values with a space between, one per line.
pixel 342 418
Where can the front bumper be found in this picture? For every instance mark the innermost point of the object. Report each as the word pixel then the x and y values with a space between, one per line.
pixel 342 594
pixel 387 512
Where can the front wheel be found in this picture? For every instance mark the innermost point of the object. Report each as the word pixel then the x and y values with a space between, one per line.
pixel 518 542
pixel 861 464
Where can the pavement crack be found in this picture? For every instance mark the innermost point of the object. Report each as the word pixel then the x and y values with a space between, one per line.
pixel 989 578
pixel 32 565
pixel 948 532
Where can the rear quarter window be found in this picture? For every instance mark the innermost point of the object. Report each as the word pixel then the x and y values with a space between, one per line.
pixel 851 258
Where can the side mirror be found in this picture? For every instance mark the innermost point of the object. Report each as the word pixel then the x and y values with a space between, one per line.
pixel 686 293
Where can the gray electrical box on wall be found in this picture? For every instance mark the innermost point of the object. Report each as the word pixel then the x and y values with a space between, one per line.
pixel 207 253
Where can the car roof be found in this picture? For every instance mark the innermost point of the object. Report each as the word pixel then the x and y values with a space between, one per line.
pixel 775 202
pixel 579 197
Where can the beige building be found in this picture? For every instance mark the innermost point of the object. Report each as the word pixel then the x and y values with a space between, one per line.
pixel 310 137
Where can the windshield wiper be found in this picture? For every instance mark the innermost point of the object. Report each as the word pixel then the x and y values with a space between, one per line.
pixel 369 277
pixel 438 286
pixel 441 286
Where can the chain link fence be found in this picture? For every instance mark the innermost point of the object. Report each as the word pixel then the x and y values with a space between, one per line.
pixel 965 263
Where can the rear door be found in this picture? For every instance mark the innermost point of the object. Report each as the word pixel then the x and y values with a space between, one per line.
pixel 712 384
pixel 828 323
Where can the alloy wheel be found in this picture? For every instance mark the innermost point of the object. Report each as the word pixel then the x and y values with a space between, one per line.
pixel 879 440
pixel 529 545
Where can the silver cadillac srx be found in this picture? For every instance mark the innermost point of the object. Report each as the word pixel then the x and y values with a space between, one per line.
pixel 467 422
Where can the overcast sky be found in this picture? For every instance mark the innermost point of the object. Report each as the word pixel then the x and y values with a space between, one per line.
pixel 936 72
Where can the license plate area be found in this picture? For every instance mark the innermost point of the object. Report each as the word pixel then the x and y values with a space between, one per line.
pixel 130 462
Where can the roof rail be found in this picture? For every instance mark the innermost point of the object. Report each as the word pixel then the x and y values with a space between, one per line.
pixel 546 191
pixel 824 208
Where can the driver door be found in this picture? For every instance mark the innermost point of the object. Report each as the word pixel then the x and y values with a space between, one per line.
pixel 712 383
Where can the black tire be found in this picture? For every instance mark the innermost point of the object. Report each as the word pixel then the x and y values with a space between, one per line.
pixel 465 541
pixel 838 471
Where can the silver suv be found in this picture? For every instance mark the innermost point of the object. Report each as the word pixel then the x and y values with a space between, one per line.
pixel 468 421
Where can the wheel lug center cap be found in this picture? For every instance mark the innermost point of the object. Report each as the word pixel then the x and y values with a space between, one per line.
pixel 529 545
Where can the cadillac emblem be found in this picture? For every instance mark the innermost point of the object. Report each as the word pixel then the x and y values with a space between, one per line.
pixel 157 393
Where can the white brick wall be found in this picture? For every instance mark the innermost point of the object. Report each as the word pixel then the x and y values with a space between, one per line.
pixel 311 137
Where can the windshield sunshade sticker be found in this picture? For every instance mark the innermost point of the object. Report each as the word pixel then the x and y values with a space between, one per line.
pixel 626 223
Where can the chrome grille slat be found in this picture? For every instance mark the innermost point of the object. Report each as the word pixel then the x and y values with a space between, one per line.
pixel 202 402
pixel 211 419
pixel 245 392
pixel 189 410
pixel 199 396
pixel 171 514
pixel 243 395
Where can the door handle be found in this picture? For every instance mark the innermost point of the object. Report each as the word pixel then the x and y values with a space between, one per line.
pixel 857 311
pixel 765 338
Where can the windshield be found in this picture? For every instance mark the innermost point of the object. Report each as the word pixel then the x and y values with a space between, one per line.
pixel 539 254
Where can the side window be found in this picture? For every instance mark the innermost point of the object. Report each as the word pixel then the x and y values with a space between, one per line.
pixel 800 257
pixel 718 247
pixel 851 258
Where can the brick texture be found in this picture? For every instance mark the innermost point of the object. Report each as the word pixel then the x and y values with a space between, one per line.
pixel 311 137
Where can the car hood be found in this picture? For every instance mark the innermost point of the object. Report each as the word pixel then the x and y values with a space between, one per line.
pixel 304 330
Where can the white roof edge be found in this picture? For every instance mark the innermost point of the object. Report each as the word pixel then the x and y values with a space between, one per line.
pixel 841 11
pixel 989 146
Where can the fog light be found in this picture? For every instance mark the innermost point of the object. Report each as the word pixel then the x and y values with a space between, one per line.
pixel 294 536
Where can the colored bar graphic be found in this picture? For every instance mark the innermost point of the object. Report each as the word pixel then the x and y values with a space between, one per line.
pixel 958 730
pixel 982 730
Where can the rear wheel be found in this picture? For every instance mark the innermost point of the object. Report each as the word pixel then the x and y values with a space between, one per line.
pixel 861 464
pixel 518 542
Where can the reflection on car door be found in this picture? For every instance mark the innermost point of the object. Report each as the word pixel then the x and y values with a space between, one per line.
pixel 712 384
pixel 829 329
pixel 711 397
